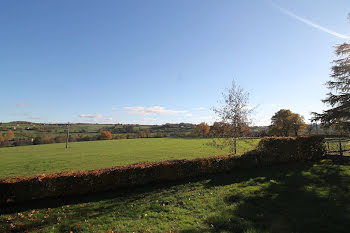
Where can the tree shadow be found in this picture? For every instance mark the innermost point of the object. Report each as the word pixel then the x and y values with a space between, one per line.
pixel 302 198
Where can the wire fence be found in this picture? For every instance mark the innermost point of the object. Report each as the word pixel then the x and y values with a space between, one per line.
pixel 338 146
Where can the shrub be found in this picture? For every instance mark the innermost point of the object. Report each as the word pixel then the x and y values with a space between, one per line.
pixel 9 135
pixel 5 144
pixel 22 142
pixel 43 140
pixel 105 135
pixel 285 149
pixel 60 139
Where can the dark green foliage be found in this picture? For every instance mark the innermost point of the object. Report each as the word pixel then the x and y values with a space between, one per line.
pixel 285 149
pixel 339 96
pixel 45 139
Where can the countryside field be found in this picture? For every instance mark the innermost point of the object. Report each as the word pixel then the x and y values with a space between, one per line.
pixel 43 159
pixel 303 197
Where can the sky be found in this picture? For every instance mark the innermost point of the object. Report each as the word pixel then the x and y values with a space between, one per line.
pixel 156 61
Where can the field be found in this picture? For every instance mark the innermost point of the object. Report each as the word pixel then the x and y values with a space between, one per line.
pixel 303 197
pixel 43 159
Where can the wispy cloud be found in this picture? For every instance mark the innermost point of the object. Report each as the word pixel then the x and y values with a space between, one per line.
pixel 114 108
pixel 199 108
pixel 22 104
pixel 155 110
pixel 308 22
pixel 36 118
pixel 149 119
pixel 91 116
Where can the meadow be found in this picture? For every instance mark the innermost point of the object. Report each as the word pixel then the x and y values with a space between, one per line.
pixel 44 159
pixel 302 197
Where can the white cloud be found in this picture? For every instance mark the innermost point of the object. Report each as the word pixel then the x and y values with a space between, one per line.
pixel 188 114
pixel 199 108
pixel 36 118
pixel 109 119
pixel 154 110
pixel 91 116
pixel 149 119
pixel 114 108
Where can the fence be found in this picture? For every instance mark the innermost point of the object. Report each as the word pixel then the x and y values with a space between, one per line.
pixel 338 146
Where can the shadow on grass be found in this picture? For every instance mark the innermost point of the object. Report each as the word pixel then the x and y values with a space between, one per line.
pixel 300 198
pixel 303 197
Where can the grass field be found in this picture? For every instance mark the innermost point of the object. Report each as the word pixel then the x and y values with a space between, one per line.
pixel 303 197
pixel 43 159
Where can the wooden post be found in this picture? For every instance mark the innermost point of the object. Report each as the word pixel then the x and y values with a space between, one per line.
pixel 328 147
pixel 235 145
pixel 340 149
pixel 67 136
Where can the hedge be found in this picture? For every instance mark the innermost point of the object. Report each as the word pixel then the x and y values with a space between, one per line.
pixel 270 151
pixel 286 149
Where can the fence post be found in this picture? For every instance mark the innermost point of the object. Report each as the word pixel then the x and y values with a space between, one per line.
pixel 328 146
pixel 340 149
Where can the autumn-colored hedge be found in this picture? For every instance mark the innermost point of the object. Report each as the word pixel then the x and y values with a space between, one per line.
pixel 270 151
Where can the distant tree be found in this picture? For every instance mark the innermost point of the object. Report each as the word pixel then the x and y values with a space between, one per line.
pixel 298 124
pixel 43 139
pixel 201 130
pixel 105 135
pixel 9 135
pixel 286 123
pixel 339 96
pixel 147 133
pixel 220 130
pixel 60 139
pixel 129 128
pixel 2 139
pixel 235 115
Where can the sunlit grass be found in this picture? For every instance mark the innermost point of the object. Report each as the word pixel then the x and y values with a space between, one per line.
pixel 42 159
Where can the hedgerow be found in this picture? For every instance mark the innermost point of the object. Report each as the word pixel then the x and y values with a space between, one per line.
pixel 285 149
pixel 270 151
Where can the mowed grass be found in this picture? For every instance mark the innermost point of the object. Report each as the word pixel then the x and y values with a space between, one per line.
pixel 302 197
pixel 43 159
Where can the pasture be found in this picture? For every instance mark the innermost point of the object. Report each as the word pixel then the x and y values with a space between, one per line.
pixel 44 159
pixel 303 197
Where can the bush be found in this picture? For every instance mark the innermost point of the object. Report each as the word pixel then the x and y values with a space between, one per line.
pixel 22 142
pixel 43 140
pixel 60 139
pixel 105 135
pixel 5 144
pixel 286 149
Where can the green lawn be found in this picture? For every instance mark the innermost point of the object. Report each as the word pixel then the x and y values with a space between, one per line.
pixel 41 159
pixel 303 197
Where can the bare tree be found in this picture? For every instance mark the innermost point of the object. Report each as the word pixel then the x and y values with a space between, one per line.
pixel 234 114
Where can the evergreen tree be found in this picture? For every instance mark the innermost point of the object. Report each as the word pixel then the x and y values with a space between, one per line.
pixel 338 98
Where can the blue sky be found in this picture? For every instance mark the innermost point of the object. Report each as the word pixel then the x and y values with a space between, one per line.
pixel 153 62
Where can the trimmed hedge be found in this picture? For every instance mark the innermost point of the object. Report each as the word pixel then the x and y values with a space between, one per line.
pixel 286 149
pixel 270 151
